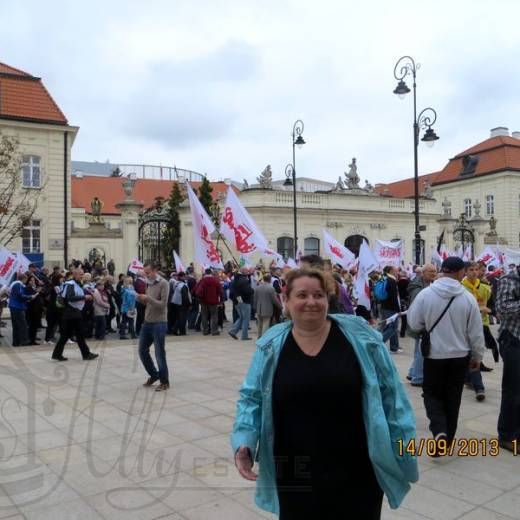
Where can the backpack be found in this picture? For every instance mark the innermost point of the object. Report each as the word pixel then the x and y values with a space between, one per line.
pixel 380 290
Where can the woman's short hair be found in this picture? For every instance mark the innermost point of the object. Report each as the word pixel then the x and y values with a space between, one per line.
pixel 325 279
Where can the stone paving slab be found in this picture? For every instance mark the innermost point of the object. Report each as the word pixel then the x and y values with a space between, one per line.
pixel 86 440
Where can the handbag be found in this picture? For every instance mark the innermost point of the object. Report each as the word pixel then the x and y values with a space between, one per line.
pixel 424 337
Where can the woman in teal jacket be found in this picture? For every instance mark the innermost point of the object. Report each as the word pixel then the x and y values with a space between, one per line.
pixel 323 411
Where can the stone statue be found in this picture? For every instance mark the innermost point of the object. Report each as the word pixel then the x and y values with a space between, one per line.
pixel 246 184
pixel 128 187
pixel 368 187
pixel 428 193
pixel 265 179
pixel 339 185
pixel 352 175
pixel 492 225
pixel 96 206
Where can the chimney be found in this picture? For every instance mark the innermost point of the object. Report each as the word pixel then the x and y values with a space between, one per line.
pixel 500 131
pixel 516 135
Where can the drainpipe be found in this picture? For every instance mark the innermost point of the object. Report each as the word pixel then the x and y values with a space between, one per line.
pixel 65 203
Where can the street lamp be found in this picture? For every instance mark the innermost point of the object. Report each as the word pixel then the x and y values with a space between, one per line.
pixel 406 66
pixel 290 174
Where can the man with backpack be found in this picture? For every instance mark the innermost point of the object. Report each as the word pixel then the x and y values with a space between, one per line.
pixel 450 316
pixel 73 297
pixel 387 294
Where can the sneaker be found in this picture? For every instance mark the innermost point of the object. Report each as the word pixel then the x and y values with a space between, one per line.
pixel 246 339
pixel 150 381
pixel 124 337
pixel 50 342
pixel 70 342
pixel 90 356
pixel 416 383
pixel 162 387
pixel 480 395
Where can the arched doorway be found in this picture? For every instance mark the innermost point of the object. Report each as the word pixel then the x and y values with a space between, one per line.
pixel 353 242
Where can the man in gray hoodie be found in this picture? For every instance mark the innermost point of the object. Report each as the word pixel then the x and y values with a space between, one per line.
pixel 457 341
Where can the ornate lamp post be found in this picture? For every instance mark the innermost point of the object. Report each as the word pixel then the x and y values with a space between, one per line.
pixel 290 174
pixel 406 66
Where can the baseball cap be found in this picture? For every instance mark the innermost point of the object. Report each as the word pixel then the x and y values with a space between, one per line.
pixel 452 264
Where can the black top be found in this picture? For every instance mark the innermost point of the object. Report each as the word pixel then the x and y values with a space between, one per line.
pixel 320 441
pixel 392 302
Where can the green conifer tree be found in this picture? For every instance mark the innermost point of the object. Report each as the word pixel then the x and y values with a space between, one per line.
pixel 172 235
pixel 204 194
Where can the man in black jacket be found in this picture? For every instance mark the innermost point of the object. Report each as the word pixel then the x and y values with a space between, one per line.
pixel 242 295
pixel 72 322
pixel 390 306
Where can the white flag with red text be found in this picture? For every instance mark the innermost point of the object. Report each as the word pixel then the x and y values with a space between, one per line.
pixel 8 266
pixel 179 266
pixel 135 266
pixel 389 253
pixel 487 256
pixel 366 264
pixel 336 252
pixel 468 253
pixel 239 228
pixel 205 251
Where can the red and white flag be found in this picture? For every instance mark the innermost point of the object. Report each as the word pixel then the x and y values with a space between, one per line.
pixel 487 256
pixel 337 253
pixel 205 251
pixel 445 252
pixel 179 266
pixel 291 264
pixel 389 253
pixel 436 257
pixel 8 266
pixel 239 228
pixel 135 266
pixel 367 264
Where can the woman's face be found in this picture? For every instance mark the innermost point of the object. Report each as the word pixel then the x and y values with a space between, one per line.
pixel 307 302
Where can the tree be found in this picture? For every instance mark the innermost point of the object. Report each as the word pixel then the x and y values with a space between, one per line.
pixel 205 197
pixel 172 235
pixel 17 204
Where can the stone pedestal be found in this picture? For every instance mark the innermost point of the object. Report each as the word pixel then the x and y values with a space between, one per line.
pixel 130 210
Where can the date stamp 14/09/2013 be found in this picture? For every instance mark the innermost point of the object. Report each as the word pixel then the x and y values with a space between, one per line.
pixel 459 447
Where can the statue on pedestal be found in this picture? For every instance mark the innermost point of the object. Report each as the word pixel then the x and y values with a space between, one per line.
pixel 96 205
pixel 352 175
pixel 368 187
pixel 492 226
pixel 265 179
pixel 246 184
pixel 339 185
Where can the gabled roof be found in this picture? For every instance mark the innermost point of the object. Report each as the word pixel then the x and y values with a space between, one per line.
pixel 110 191
pixel 23 97
pixel 495 154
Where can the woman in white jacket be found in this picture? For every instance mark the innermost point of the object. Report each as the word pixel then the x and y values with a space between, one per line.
pixel 101 310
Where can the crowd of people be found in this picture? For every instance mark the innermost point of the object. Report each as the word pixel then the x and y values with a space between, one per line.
pixel 326 346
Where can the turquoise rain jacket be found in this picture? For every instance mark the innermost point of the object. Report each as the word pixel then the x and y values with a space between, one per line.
pixel 387 412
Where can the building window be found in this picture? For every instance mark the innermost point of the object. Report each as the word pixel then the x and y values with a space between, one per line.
pixel 285 246
pixel 31 171
pixel 490 205
pixel 311 246
pixel 467 207
pixel 31 237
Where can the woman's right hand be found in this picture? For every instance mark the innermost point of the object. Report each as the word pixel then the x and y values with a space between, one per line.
pixel 244 463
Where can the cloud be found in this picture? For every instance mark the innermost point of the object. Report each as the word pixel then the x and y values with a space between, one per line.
pixel 189 102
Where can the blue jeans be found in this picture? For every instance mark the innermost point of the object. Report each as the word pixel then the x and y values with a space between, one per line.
pixel 475 378
pixel 154 333
pixel 244 315
pixel 415 372
pixel 509 418
pixel 390 331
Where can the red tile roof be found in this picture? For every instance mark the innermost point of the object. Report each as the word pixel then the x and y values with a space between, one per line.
pixel 24 97
pixel 495 155
pixel 110 191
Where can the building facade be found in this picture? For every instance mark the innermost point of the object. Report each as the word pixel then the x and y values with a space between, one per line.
pixel 30 115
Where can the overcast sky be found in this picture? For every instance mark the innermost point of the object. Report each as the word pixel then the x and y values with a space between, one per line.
pixel 215 86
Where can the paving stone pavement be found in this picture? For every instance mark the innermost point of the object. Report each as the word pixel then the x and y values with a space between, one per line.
pixel 86 440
